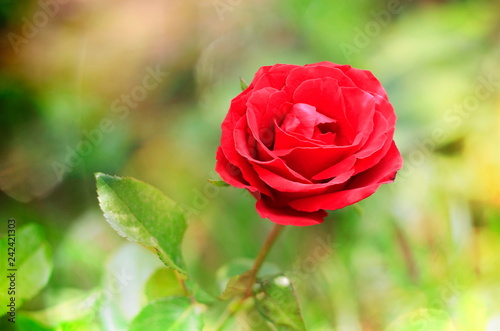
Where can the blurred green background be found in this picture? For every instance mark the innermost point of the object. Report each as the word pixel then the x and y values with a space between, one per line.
pixel 139 88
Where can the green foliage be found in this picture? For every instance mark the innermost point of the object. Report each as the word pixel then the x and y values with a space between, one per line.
pixel 234 276
pixel 24 323
pixel 72 310
pixel 33 264
pixel 126 276
pixel 169 314
pixel 243 84
pixel 277 303
pixel 423 319
pixel 218 183
pixel 237 286
pixel 141 213
pixel 163 283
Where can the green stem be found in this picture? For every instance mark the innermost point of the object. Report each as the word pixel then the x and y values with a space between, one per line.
pixel 259 260
pixel 261 256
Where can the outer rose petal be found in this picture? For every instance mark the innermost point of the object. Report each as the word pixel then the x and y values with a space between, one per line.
pixel 365 80
pixel 301 74
pixel 274 76
pixel 283 184
pixel 289 216
pixel 229 172
pixel 361 187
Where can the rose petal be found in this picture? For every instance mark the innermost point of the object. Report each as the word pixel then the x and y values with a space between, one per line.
pixel 274 77
pixel 384 170
pixel 236 111
pixel 362 186
pixel 327 97
pixel 365 80
pixel 309 161
pixel 283 184
pixel 242 154
pixel 374 158
pixel 264 108
pixel 326 138
pixel 303 119
pixel 337 169
pixel 277 166
pixel 230 173
pixel 289 216
pixel 322 93
pixel 284 142
pixel 301 74
pixel 360 110
pixel 376 139
pixel 385 108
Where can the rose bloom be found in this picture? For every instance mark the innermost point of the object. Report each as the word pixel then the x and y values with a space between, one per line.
pixel 305 139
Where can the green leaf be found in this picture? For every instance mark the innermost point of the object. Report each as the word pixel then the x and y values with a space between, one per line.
pixel 278 304
pixel 237 285
pixel 33 265
pixel 218 183
pixel 24 322
pixel 141 213
pixel 169 314
pixel 75 308
pixel 163 283
pixel 124 281
pixel 199 294
pixel 233 276
pixel 243 84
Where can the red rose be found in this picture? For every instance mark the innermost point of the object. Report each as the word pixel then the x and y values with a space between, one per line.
pixel 305 139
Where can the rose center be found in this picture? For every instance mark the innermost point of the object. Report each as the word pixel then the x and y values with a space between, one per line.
pixel 303 119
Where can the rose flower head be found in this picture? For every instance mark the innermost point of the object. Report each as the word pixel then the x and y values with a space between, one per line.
pixel 306 139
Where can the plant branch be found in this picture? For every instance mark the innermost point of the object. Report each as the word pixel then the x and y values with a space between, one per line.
pixel 259 260
pixel 261 256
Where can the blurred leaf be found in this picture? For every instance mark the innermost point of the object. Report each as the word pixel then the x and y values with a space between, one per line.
pixel 199 293
pixel 243 84
pixel 75 308
pixel 278 304
pixel 234 276
pixel 124 283
pixel 218 183
pixel 33 264
pixel 423 319
pixel 237 285
pixel 25 323
pixel 240 265
pixel 169 314
pixel 163 283
pixel 141 213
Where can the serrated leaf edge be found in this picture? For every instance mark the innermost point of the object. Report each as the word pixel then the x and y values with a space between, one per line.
pixel 159 251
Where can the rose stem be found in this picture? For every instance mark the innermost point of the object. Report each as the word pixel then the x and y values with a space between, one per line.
pixel 261 256
pixel 259 260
